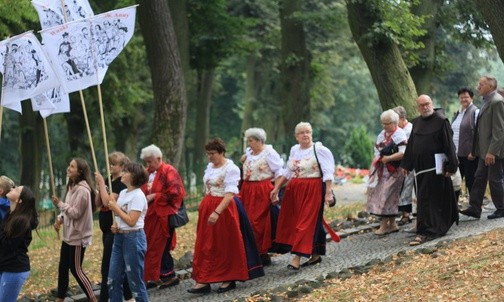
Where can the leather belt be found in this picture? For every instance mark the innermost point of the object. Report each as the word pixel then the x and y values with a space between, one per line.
pixel 128 231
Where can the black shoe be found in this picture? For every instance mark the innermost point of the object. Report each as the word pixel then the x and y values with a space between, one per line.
pixel 470 212
pixel 231 286
pixel 265 259
pixel 496 214
pixel 292 267
pixel 170 282
pixel 151 284
pixel 312 262
pixel 202 290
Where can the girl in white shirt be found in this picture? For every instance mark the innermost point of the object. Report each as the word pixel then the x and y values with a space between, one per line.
pixel 130 243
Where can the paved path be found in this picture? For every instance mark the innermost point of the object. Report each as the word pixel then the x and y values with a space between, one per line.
pixel 351 251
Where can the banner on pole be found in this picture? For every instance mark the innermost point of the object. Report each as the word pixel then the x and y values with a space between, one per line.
pixel 26 69
pixel 51 12
pixel 58 100
pixel 81 51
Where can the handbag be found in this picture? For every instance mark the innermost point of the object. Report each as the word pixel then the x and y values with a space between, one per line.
pixel 178 219
pixel 333 201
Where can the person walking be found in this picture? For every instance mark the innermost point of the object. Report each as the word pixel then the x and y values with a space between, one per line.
pixel 77 220
pixel 488 145
pixel 431 137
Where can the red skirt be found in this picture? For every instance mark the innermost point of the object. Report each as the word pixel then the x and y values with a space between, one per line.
pixel 219 251
pixel 299 212
pixel 157 233
pixel 255 196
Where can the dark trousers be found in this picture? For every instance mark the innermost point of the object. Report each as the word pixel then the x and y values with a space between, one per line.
pixel 108 242
pixel 494 176
pixel 71 258
pixel 468 170
pixel 167 265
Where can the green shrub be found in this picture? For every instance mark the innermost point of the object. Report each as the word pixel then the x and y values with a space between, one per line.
pixel 358 149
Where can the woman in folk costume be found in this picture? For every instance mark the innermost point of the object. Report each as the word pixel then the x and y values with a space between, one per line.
pixel 225 249
pixel 262 165
pixel 385 182
pixel 300 224
pixel 165 193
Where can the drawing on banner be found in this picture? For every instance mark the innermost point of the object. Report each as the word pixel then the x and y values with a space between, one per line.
pixel 74 54
pixel 110 38
pixel 60 102
pixel 23 69
pixel 26 69
pixel 82 50
pixel 51 12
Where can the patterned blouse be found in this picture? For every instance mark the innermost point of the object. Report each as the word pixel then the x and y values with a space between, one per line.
pixel 266 165
pixel 303 164
pixel 222 180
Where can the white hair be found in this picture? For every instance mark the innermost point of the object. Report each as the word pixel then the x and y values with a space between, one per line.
pixel 302 125
pixel 390 115
pixel 151 151
pixel 256 133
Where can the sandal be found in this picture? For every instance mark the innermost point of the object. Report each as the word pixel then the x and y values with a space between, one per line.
pixel 403 221
pixel 419 239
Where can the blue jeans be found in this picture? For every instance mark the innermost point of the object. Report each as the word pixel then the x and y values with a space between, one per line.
pixel 10 285
pixel 128 255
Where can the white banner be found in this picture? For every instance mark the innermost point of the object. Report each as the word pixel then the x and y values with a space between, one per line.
pixel 51 12
pixel 59 100
pixel 82 50
pixel 14 106
pixel 26 69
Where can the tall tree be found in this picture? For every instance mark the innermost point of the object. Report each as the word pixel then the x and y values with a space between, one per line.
pixel 382 55
pixel 423 71
pixel 170 99
pixel 295 66
pixel 214 36
pixel 493 12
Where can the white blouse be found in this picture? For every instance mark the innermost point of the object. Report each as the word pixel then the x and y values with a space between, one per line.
pixel 303 164
pixel 266 165
pixel 222 180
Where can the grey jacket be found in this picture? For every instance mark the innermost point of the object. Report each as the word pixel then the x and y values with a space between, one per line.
pixel 466 130
pixel 489 136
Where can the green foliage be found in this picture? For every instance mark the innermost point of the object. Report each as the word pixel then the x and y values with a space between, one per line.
pixel 359 148
pixel 395 22
pixel 215 34
pixel 16 17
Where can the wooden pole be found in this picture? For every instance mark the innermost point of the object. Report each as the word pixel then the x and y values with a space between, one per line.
pixel 104 134
pixel 90 138
pixel 51 174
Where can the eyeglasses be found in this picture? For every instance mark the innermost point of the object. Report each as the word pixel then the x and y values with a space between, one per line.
pixel 424 104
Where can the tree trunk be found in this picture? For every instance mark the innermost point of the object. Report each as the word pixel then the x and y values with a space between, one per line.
pixel 205 85
pixel 295 67
pixel 383 58
pixel 250 93
pixel 493 12
pixel 423 72
pixel 170 100
pixel 32 139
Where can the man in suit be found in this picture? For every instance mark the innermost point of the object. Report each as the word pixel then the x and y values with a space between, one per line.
pixel 489 147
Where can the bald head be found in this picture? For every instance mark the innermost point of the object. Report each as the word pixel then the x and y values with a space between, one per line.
pixel 424 105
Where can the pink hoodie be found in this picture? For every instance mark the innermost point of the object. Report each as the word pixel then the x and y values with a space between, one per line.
pixel 77 215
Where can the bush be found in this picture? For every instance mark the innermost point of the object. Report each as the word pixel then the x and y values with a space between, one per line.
pixel 359 149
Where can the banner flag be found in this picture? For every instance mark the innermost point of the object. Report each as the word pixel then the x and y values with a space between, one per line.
pixel 81 51
pixel 59 100
pixel 51 13
pixel 26 69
